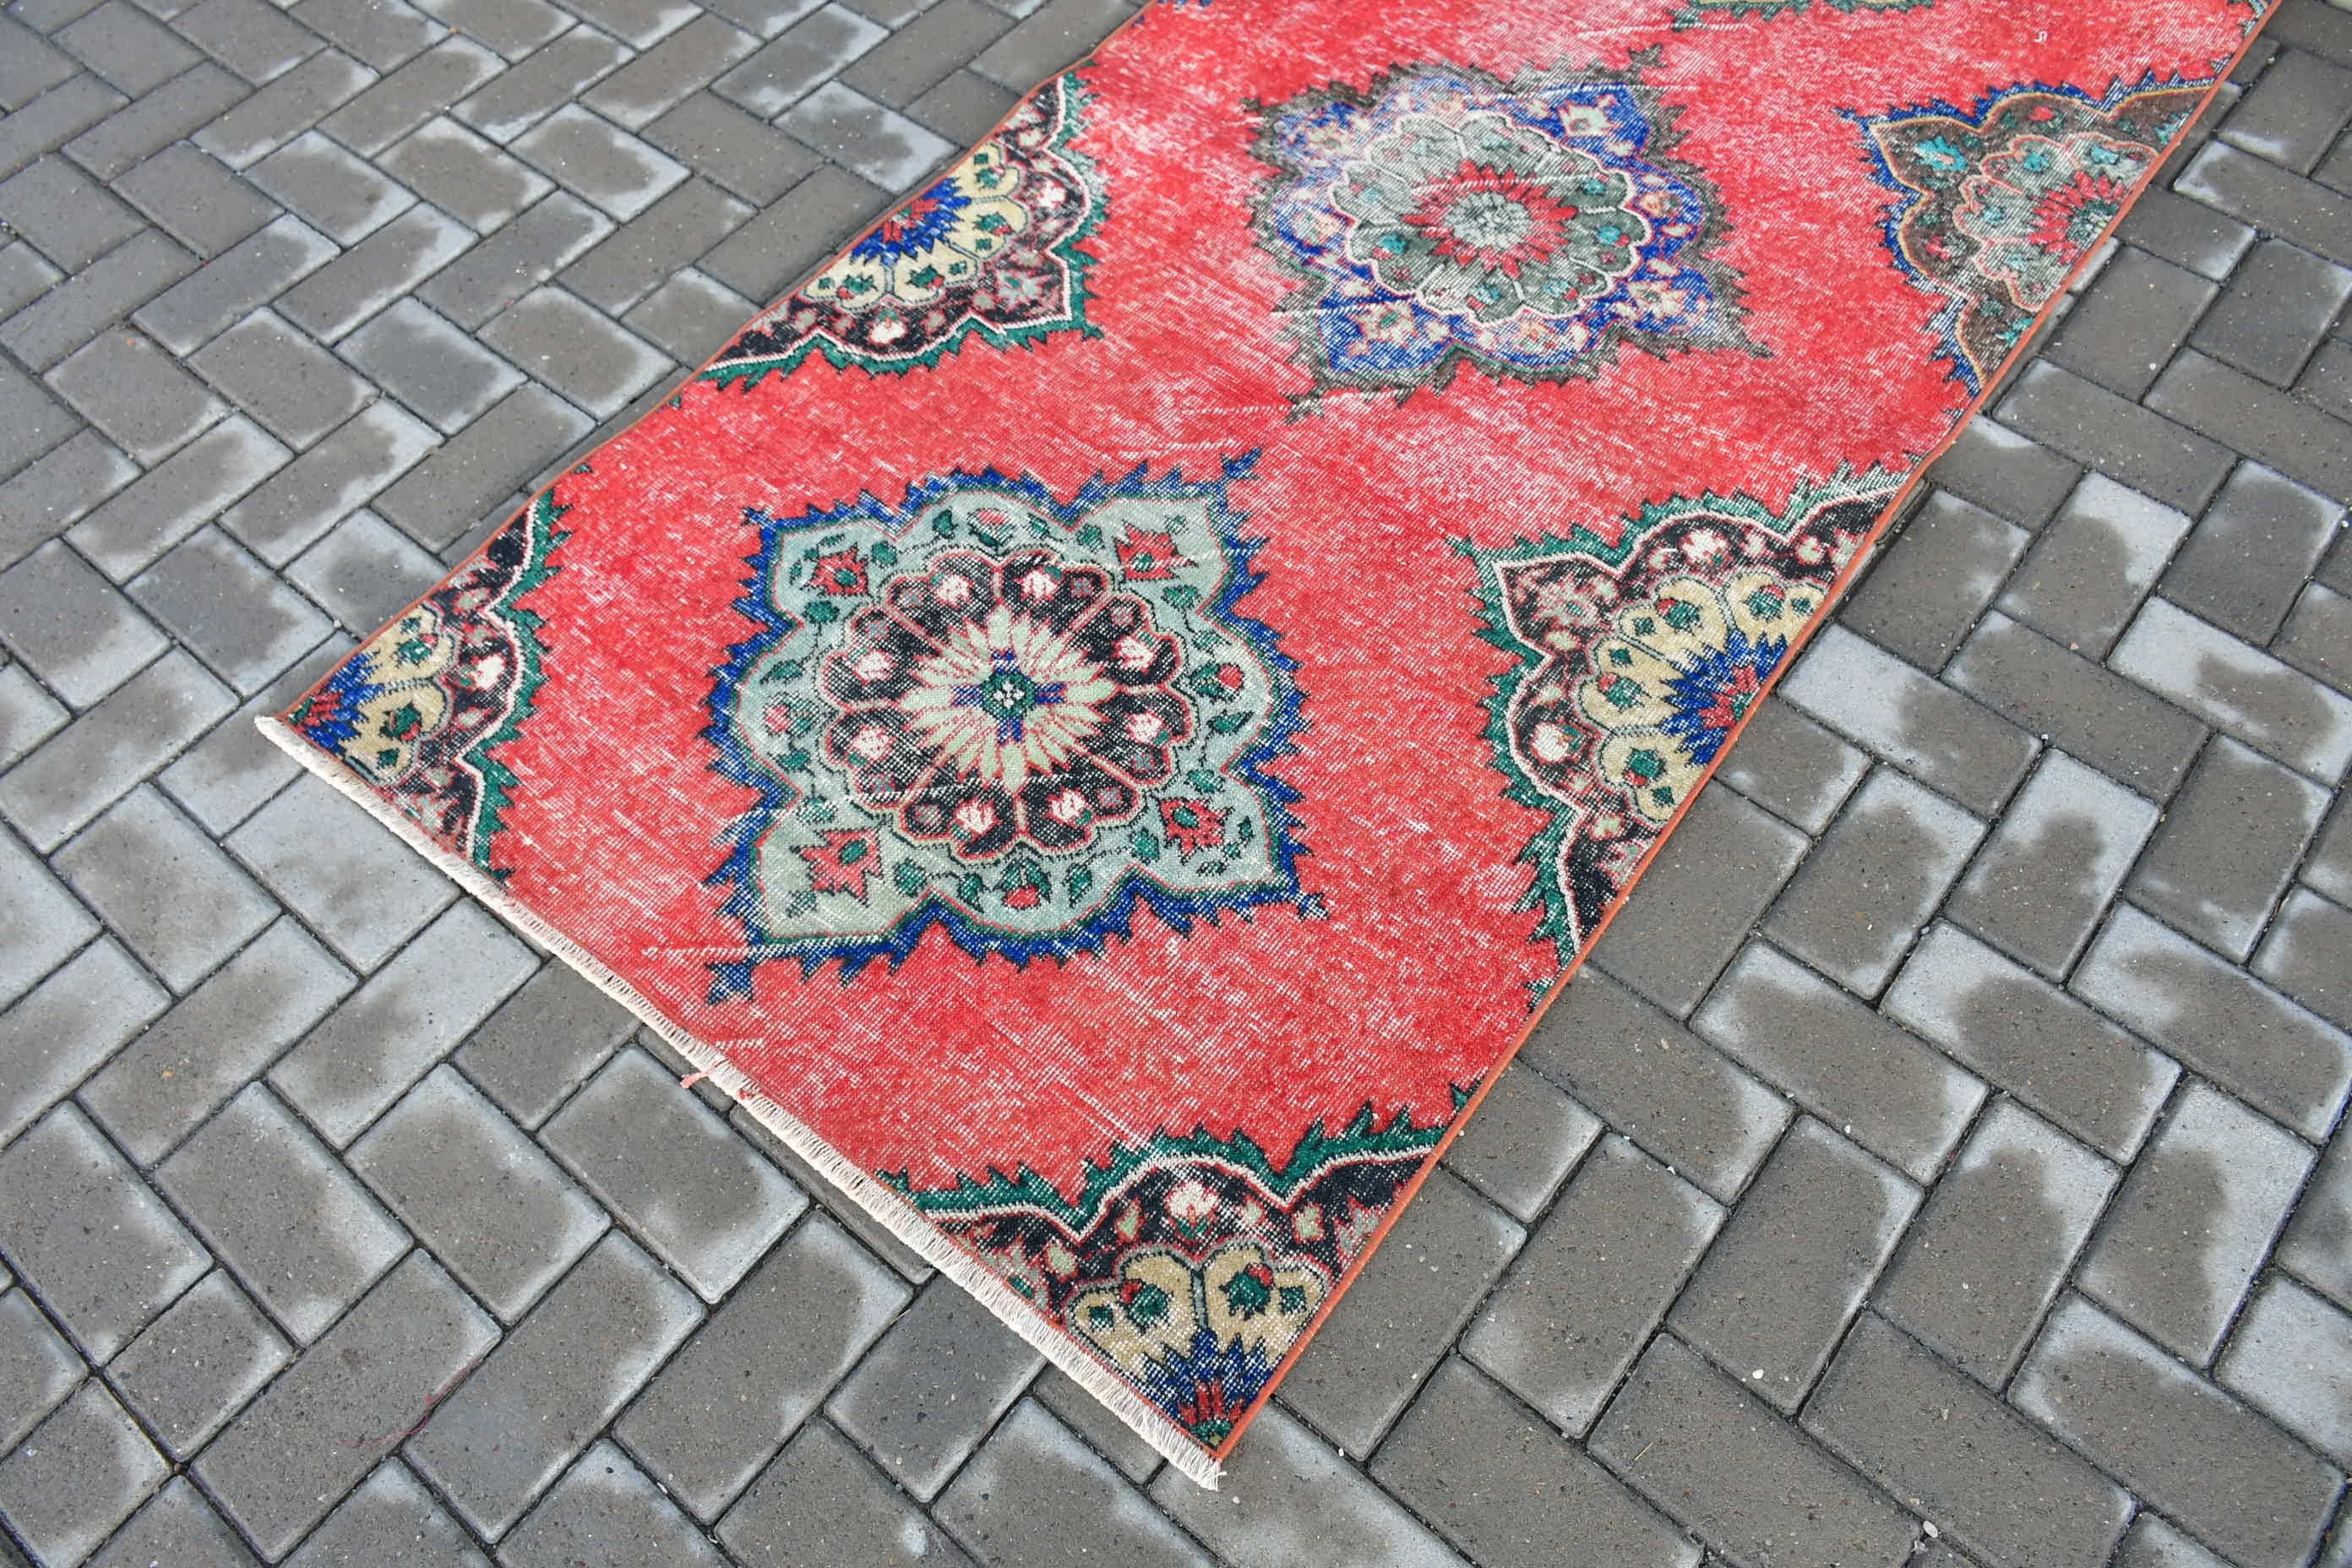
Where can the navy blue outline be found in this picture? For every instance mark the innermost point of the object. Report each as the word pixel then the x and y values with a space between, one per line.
pixel 737 764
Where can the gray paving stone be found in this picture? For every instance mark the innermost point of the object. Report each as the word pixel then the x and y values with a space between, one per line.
pixel 130 50
pixel 783 244
pixel 2245 1037
pixel 2194 1221
pixel 924 51
pixel 1708 884
pixel 2125 326
pixel 929 1390
pixel 390 1032
pixel 178 1527
pixel 1521 1145
pixel 176 1073
pixel 75 773
pixel 497 1213
pixel 175 900
pixel 390 1521
pixel 1983 1475
pixel 2260 539
pixel 28 715
pixel 2291 1357
pixel 407 98
pixel 137 396
pixel 823 1503
pixel 47 121
pixel 1362 1368
pixel 364 572
pixel 71 219
pixel 71 627
pixel 1095 1424
pixel 1055 36
pixel 381 268
pixel 327 483
pixel 878 143
pixel 1892 710
pixel 102 1251
pixel 2238 690
pixel 2227 846
pixel 2308 955
pixel 1511 1493
pixel 2129 443
pixel 198 1365
pixel 281 378
pixel 543 1042
pixel 1036 1496
pixel 2271 198
pixel 1792 1265
pixel 234 284
pixel 2153 1543
pixel 2317 638
pixel 303 1236
pixel 804 54
pixel 2089 569
pixel 2279 305
pixel 33 66
pixel 964 107
pixel 504 1436
pixel 671 1170
pixel 37 1367
pixel 728 147
pixel 1287 1498
pixel 1995 1242
pixel 486 463
pixel 852 1216
pixel 2008 474
pixel 463 175
pixel 340 194
pixel 48 495
pixel 1711 1454
pixel 253 39
pixel 605 1513
pixel 2179 1443
pixel 639 257
pixel 575 350
pixel 1880 1086
pixel 598 162
pixel 2049 870
pixel 285 1463
pixel 2329 867
pixel 642 22
pixel 67 1026
pixel 1926 588
pixel 512 101
pixel 765 17
pixel 682 62
pixel 2295 110
pixel 229 610
pixel 347 875
pixel 80 1474
pixel 40 922
pixel 2084 709
pixel 284 109
pixel 2258 419
pixel 154 120
pixel 1792 767
pixel 754 1372
pixel 1593 1281
pixel 129 532
pixel 1865 890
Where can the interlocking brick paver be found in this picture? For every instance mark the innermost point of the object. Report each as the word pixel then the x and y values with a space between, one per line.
pixel 2318 638
pixel 75 773
pixel 485 464
pixel 210 473
pixel 2046 874
pixel 227 607
pixel 1709 1453
pixel 198 1363
pixel 1591 1283
pixel 304 1236
pixel 57 114
pixel 2217 865
pixel 741 153
pixel 1292 1499
pixel 2088 573
pixel 680 64
pixel 605 1513
pixel 798 58
pixel 2242 567
pixel 1791 1266
pixel 335 192
pixel 1927 587
pixel 354 883
pixel 1035 1494
pixel 1975 1468
pixel 2194 1221
pixel 71 627
pixel 437 370
pixel 823 1503
pixel 40 922
pixel 2291 1356
pixel 1523 1141
pixel 91 1240
pixel 2130 443
pixel 2080 707
pixel 575 350
pixel 1865 890
pixel 48 495
pixel 364 572
pixel 28 715
pixel 146 403
pixel 154 120
pixel 2271 198
pixel 748 1379
pixel 598 162
pixel 1876 1084
pixel 177 1527
pixel 286 1462
pixel 285 109
pixel 513 100
pixel 497 1211
pixel 878 142
pixel 37 1367
pixel 1888 708
pixel 670 1169
pixel 232 285
pixel 670 234
pixel 250 36
pixel 2292 112
pixel 2214 1465
pixel 543 1042
pixel 281 378
pixel 463 175
pixel 223 777
pixel 77 1475
pixel 71 218
pixel 931 1388
pixel 924 50
pixel 376 271
pixel 2008 474
pixel 775 251
pixel 2308 955
pixel 1995 1242
pixel 1709 885
pixel 2280 304
pixel 407 98
pixel 160 882
pixel 2153 1543
pixel 2122 330
pixel 72 1021
pixel 130 50
pixel 290 510
pixel 1792 767
pixel 390 1521
pixel 2257 419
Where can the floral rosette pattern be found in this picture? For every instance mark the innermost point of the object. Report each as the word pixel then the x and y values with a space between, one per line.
pixel 422 709
pixel 1189 1266
pixel 992 247
pixel 1527 228
pixel 1010 716
pixel 1640 643
pixel 1998 205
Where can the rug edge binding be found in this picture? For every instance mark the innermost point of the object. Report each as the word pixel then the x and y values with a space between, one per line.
pixel 879 1201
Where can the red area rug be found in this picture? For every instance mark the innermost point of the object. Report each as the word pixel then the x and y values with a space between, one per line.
pixel 1101 716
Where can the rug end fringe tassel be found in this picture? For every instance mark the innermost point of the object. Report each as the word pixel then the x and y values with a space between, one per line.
pixel 893 1212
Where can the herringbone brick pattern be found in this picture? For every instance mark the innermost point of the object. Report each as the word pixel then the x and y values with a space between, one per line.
pixel 1934 1163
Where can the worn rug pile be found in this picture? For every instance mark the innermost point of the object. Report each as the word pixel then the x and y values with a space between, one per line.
pixel 1101 716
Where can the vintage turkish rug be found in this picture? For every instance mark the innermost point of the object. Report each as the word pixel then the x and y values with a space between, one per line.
pixel 1102 715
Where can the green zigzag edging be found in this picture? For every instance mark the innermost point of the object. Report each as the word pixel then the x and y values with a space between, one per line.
pixel 499 780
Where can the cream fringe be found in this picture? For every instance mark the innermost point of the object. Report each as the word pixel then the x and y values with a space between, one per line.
pixel 893 1212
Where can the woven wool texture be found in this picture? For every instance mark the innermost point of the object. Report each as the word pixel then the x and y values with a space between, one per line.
pixel 1101 716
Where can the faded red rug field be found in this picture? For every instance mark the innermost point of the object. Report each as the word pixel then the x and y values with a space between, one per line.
pixel 1101 716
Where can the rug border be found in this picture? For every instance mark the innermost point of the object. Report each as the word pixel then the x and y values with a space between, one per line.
pixel 883 1204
